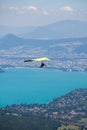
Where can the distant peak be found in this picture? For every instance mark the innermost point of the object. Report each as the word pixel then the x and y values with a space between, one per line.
pixel 11 36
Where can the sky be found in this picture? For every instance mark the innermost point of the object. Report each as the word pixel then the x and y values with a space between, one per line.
pixel 41 12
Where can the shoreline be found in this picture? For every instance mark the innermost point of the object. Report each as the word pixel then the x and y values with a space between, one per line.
pixel 42 104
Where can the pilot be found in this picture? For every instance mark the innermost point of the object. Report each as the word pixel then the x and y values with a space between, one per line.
pixel 42 65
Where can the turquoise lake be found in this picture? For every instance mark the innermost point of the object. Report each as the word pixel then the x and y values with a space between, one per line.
pixel 36 85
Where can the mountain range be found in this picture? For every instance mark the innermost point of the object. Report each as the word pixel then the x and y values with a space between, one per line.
pixel 63 29
pixel 77 45
pixel 58 30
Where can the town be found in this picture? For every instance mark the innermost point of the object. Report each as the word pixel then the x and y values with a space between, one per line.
pixel 64 65
pixel 70 109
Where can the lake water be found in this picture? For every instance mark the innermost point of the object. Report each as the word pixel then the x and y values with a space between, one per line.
pixel 36 85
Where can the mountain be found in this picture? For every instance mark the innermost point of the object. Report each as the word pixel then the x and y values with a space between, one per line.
pixel 77 45
pixel 4 30
pixel 9 41
pixel 58 30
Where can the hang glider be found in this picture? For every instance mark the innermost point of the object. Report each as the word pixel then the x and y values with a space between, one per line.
pixel 39 60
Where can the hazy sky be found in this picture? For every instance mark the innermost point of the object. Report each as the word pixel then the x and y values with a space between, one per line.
pixel 41 12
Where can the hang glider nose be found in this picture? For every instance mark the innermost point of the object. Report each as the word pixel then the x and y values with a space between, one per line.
pixel 28 60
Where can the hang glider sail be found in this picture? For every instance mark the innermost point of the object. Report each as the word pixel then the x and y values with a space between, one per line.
pixel 39 60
